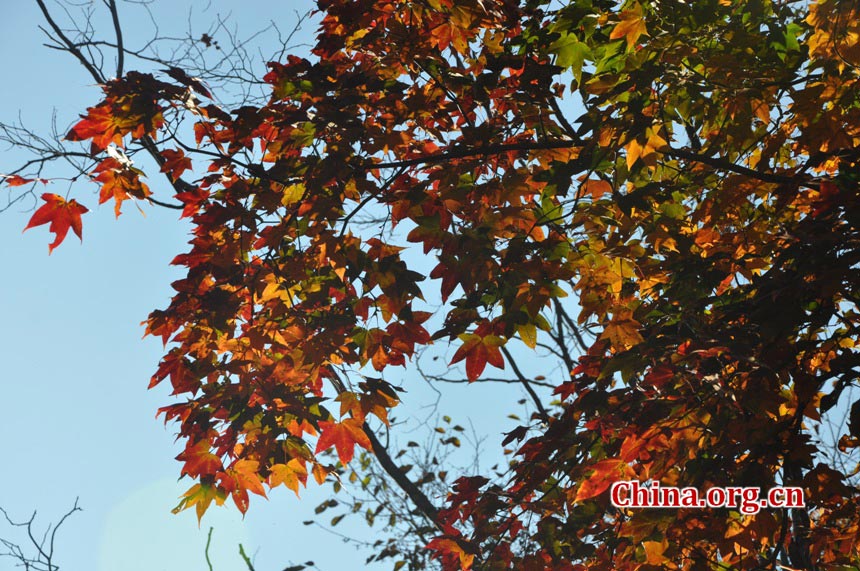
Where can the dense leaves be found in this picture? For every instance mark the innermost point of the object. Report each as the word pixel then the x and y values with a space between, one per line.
pixel 687 170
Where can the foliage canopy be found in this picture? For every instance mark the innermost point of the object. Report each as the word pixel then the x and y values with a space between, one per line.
pixel 687 170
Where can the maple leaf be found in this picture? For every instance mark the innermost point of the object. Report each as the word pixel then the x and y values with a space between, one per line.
pixel 291 475
pixel 199 460
pixel 120 182
pixel 479 350
pixel 450 547
pixel 343 436
pixel 192 199
pixel 659 376
pixel 622 330
pixel 243 477
pixel 604 473
pixel 854 419
pixel 247 476
pixel 17 180
pixel 175 163
pixel 193 82
pixel 646 152
pixel 596 188
pixel 61 215
pixel 528 334
pixel 200 496
pixel 631 26
pixel 98 126
pixel 654 553
pixel 109 122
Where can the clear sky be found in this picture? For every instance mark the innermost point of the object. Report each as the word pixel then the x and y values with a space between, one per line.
pixel 78 420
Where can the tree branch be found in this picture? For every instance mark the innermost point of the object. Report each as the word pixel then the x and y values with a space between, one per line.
pixel 460 153
pixel 525 382
pixel 120 51
pixel 70 46
pixel 472 152
pixel 739 169
pixel 43 558
pixel 421 501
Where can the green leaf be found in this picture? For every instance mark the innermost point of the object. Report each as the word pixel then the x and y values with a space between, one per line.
pixel 673 210
pixel 571 53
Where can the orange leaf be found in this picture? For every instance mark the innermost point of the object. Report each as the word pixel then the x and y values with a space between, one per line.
pixel 199 460
pixel 119 182
pixel 622 330
pixel 61 215
pixel 247 475
pixel 654 552
pixel 596 188
pixel 452 548
pixel 101 126
pixel 343 436
pixel 478 351
pixel 320 473
pixel 605 473
pixel 634 151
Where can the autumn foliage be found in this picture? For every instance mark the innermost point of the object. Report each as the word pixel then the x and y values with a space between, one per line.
pixel 60 215
pixel 666 191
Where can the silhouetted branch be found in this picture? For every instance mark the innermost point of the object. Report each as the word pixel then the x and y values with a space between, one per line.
pixel 39 555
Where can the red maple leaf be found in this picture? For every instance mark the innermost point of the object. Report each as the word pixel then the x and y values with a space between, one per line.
pixel 101 125
pixel 17 180
pixel 199 460
pixel 61 214
pixel 119 182
pixel 343 436
pixel 478 351
pixel 604 473
pixel 175 163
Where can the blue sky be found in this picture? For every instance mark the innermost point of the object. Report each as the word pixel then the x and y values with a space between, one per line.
pixel 78 419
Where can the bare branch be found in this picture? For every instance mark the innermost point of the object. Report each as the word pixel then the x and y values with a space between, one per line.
pixel 42 559
pixel 526 384
pixel 120 50
pixel 70 45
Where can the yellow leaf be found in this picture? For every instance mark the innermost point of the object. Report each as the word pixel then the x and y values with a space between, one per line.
pixel 290 474
pixel 762 111
pixel 320 473
pixel 528 333
pixel 493 41
pixel 634 151
pixel 631 26
pixel 655 143
pixel 461 17
pixel 654 552
pixel 200 496
pixel 622 331
pixel 293 193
